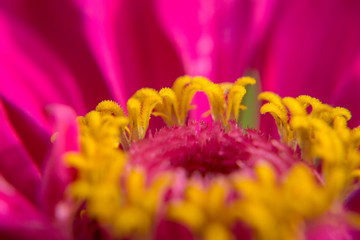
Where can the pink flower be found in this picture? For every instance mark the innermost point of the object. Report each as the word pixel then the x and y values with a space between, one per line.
pixel 78 53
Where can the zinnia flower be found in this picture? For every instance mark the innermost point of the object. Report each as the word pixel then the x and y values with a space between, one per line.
pixel 214 181
pixel 105 58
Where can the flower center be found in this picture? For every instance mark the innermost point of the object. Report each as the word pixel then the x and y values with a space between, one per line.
pixel 203 149
pixel 129 181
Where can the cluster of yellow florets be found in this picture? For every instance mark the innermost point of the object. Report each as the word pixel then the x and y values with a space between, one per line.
pixel 122 199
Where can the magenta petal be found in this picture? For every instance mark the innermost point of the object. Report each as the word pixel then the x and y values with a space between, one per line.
pixel 59 27
pixel 56 175
pixel 35 137
pixel 310 46
pixel 32 74
pixel 16 165
pixel 172 230
pixel 329 231
pixel 212 37
pixel 131 48
pixel 347 94
pixel 242 231
pixel 19 220
pixel 353 201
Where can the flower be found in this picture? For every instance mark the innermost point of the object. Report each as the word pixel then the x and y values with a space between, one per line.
pixel 42 64
pixel 215 181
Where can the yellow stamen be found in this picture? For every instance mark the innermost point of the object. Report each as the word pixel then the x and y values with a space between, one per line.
pixel 217 231
pixel 244 81
pixel 235 97
pixel 140 107
pixel 169 109
pixel 269 205
pixel 110 107
pixel 294 106
pixel 203 209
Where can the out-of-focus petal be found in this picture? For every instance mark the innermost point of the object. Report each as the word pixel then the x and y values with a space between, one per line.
pixel 172 230
pixel 353 201
pixel 212 37
pixel 32 75
pixel 309 47
pixel 34 136
pixel 347 94
pixel 58 25
pixel 56 176
pixel 20 220
pixel 329 230
pixel 16 165
pixel 130 46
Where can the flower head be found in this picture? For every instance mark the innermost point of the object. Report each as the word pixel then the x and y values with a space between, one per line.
pixel 215 181
pixel 80 52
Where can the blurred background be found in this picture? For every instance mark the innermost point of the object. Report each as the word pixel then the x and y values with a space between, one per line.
pixel 80 52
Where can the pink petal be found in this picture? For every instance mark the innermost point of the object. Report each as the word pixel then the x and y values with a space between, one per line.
pixel 329 229
pixel 310 47
pixel 34 137
pixel 352 203
pixel 18 218
pixel 347 94
pixel 53 47
pixel 32 74
pixel 130 46
pixel 16 166
pixel 242 231
pixel 172 230
pixel 212 37
pixel 56 176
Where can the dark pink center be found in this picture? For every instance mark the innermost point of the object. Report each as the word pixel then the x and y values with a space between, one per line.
pixel 206 149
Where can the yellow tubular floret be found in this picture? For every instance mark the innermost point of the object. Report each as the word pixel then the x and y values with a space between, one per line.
pixel 278 110
pixel 180 84
pixel 309 101
pixel 280 115
pixel 272 98
pixel 110 107
pixel 203 209
pixel 215 95
pixel 169 108
pixel 217 231
pixel 235 96
pixel 341 112
pixel 140 107
pixel 136 216
pixel 186 87
pixel 277 203
pixel 226 86
pixel 134 111
pixel 295 108
pixel 184 97
pixel 245 81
